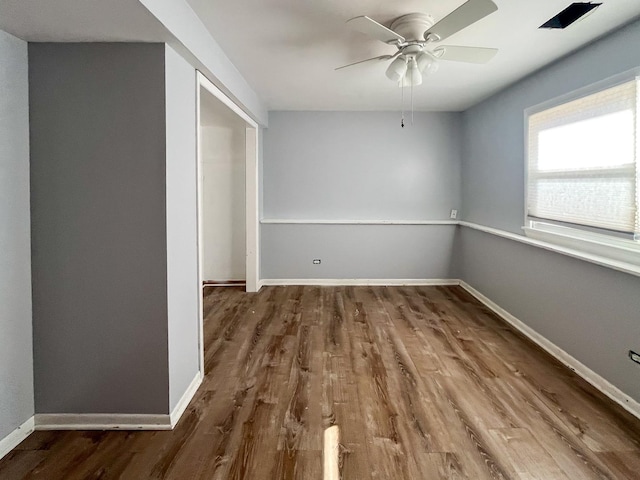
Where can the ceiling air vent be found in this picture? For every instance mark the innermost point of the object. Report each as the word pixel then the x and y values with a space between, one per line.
pixel 570 14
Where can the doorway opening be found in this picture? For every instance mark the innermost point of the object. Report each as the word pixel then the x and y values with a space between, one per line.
pixel 227 196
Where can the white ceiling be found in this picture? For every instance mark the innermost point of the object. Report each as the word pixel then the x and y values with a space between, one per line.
pixel 287 49
pixel 80 21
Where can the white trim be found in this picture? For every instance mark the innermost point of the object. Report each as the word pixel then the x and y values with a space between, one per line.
pixel 606 246
pixel 204 82
pixel 395 282
pixel 199 228
pixel 600 383
pixel 101 421
pixel 14 439
pixel 183 403
pixel 570 252
pixel 252 227
pixel 296 221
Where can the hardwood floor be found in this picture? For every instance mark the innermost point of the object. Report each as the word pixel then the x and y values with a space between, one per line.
pixel 424 382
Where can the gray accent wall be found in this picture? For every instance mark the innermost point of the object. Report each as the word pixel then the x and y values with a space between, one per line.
pixel 359 166
pixel 591 312
pixel 182 220
pixel 99 218
pixel 357 251
pixel 16 362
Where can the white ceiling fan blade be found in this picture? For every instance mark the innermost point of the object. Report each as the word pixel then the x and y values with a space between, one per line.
pixel 374 29
pixel 465 54
pixel 463 16
pixel 381 57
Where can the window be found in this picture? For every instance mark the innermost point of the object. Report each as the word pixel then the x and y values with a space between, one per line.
pixel 583 185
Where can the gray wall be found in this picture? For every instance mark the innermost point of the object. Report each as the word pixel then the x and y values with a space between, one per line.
pixel 591 312
pixel 359 165
pixel 182 233
pixel 357 251
pixel 16 363
pixel 99 241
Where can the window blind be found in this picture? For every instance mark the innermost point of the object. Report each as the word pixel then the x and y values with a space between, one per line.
pixel 582 161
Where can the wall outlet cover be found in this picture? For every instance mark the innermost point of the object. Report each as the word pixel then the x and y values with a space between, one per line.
pixel 454 214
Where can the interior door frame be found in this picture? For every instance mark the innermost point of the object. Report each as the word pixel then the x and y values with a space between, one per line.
pixel 252 240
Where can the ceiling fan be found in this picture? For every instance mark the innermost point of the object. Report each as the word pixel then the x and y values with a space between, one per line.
pixel 415 34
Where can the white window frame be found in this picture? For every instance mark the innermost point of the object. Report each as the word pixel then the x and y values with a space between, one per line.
pixel 606 249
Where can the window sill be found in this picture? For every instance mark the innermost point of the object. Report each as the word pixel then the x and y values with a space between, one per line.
pixel 621 266
pixel 594 247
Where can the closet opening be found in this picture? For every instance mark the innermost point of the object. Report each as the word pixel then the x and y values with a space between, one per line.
pixel 227 197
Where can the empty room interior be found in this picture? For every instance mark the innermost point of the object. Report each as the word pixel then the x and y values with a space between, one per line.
pixel 319 240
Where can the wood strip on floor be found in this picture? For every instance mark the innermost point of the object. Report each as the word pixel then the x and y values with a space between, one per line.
pixel 424 382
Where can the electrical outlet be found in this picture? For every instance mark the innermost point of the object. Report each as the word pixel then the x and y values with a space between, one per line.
pixel 634 356
pixel 454 214
pixel 316 261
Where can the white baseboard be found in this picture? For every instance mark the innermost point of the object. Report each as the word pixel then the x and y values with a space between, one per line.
pixel 101 421
pixel 182 404
pixel 600 383
pixel 118 421
pixel 395 282
pixel 12 440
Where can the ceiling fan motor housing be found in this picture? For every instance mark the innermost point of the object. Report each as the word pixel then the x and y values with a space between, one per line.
pixel 412 26
pixel 416 37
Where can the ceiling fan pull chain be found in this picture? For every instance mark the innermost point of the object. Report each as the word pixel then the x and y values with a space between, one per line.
pixel 412 97
pixel 402 105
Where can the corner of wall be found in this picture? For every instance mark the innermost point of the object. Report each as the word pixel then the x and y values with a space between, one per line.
pixel 16 320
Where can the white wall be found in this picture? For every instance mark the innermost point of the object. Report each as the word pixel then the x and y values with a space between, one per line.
pixel 359 166
pixel 589 311
pixel 223 190
pixel 16 362
pixel 182 232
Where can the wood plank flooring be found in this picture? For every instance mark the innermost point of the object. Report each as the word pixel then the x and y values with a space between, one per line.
pixel 424 382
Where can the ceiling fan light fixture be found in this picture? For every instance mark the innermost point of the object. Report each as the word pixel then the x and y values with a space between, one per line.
pixel 427 63
pixel 413 77
pixel 397 69
pixel 423 59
